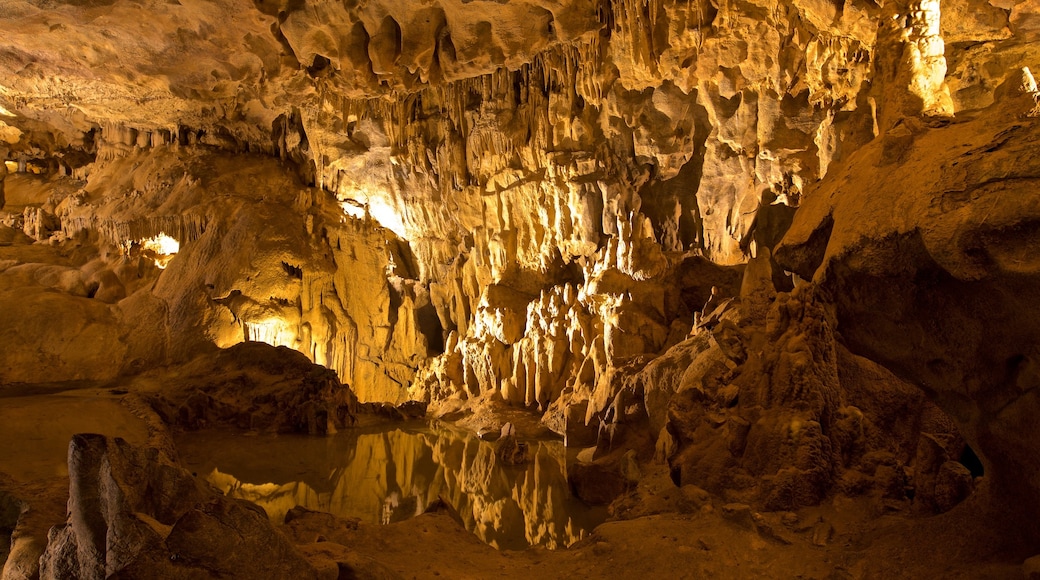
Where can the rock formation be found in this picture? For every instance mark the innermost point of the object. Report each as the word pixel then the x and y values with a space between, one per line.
pixel 945 258
pixel 253 387
pixel 785 249
pixel 386 477
pixel 131 515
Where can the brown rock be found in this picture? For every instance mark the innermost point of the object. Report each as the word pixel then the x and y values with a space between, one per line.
pixel 256 386
pixel 928 277
pixel 953 484
pixel 133 516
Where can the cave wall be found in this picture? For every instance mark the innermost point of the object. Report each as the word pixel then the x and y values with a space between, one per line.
pixel 537 203
pixel 939 284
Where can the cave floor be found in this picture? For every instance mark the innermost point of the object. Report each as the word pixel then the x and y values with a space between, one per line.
pixel 660 530
pixel 841 539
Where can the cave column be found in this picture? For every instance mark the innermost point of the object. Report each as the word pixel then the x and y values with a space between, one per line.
pixel 910 64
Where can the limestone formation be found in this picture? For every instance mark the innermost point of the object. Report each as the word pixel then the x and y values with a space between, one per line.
pixel 255 387
pixel 944 263
pixel 130 515
pixel 783 250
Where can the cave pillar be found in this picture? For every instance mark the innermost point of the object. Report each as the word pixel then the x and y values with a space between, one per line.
pixel 910 64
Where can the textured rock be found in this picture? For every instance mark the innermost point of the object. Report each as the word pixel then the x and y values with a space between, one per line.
pixel 226 286
pixel 536 166
pixel 531 202
pixel 931 275
pixel 132 515
pixel 257 387
pixel 777 413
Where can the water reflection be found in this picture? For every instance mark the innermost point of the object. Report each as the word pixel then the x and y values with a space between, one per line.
pixel 386 476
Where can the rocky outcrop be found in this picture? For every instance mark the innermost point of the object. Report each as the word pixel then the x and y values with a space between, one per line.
pixel 931 272
pixel 770 409
pixel 253 386
pixel 133 516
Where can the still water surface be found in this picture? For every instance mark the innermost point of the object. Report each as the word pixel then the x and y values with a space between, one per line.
pixel 388 475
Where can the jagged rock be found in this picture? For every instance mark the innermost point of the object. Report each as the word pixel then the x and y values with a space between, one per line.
pixel 133 516
pixel 782 416
pixel 255 386
pixel 934 283
pixel 39 224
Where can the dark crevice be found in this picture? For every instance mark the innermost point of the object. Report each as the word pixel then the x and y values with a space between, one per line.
pixel 292 271
pixel 430 327
pixel 970 460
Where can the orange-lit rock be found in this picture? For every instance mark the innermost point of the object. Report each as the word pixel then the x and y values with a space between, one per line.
pixel 570 211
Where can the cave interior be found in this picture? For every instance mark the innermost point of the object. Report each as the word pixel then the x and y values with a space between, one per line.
pixel 502 288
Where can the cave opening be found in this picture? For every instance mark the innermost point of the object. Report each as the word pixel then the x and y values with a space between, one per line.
pixel 430 327
pixel 971 460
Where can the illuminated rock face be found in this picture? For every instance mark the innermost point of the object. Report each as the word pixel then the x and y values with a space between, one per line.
pixel 938 283
pixel 258 257
pixel 528 202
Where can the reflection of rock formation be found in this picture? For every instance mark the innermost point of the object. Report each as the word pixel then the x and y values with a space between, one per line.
pixel 394 475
